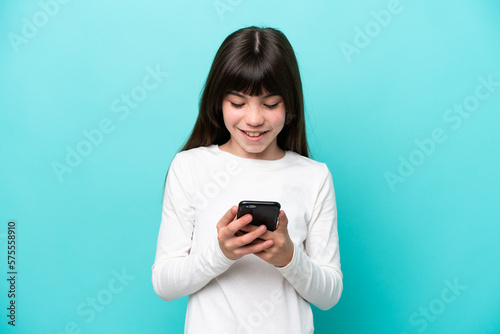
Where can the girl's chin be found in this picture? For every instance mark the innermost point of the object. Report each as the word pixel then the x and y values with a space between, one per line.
pixel 254 149
pixel 260 151
pixel 251 149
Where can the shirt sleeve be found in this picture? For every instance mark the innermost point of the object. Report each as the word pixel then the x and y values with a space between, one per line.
pixel 314 271
pixel 176 272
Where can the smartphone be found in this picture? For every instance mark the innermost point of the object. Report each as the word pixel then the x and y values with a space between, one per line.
pixel 263 213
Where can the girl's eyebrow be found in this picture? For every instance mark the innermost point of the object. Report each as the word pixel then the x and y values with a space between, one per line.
pixel 264 97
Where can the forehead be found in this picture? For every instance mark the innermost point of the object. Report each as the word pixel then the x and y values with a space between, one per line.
pixel 264 94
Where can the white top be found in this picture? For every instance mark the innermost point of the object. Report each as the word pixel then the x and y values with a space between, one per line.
pixel 247 295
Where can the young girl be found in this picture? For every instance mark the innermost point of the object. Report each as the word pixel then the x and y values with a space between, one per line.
pixel 249 143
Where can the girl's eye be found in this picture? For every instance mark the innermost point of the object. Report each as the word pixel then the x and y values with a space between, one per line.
pixel 271 106
pixel 237 105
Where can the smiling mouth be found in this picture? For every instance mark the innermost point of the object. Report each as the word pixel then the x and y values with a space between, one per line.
pixel 254 133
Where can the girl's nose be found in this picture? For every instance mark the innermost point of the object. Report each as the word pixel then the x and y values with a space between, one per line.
pixel 254 116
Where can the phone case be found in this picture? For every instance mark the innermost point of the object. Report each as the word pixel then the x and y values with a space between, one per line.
pixel 263 213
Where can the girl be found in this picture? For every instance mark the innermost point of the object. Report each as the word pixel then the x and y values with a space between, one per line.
pixel 249 143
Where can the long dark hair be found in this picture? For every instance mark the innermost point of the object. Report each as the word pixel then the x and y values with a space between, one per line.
pixel 252 60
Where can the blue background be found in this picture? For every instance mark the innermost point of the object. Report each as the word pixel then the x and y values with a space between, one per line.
pixel 402 242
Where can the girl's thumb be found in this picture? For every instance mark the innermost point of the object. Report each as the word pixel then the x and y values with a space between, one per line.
pixel 282 221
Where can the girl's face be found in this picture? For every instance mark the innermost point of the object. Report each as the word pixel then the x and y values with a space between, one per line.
pixel 254 123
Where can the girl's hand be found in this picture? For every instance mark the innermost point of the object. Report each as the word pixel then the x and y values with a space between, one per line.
pixel 281 252
pixel 235 244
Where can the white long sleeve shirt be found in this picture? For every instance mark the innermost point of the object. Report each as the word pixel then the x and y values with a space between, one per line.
pixel 247 295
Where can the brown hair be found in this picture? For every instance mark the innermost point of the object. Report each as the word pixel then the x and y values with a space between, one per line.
pixel 252 60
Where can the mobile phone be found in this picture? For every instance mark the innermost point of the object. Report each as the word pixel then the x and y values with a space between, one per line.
pixel 263 213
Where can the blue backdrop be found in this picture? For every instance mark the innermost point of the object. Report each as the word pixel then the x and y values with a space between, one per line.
pixel 402 103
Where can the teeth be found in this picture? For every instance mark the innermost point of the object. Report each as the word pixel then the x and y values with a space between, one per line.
pixel 254 134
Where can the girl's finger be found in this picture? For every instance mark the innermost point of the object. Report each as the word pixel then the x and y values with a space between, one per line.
pixel 254 247
pixel 282 221
pixel 239 223
pixel 249 228
pixel 250 237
